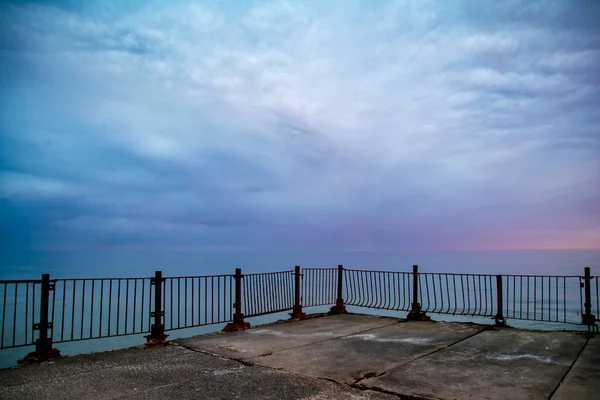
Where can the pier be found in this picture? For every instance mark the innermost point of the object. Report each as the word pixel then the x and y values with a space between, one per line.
pixel 347 356
pixel 338 355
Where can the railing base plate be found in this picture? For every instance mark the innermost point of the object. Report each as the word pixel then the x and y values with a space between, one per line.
pixel 339 308
pixel 154 340
pixel 33 357
pixel 232 327
pixel 298 316
pixel 417 316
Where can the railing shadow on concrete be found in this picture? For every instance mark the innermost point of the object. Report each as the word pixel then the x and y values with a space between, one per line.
pixel 47 311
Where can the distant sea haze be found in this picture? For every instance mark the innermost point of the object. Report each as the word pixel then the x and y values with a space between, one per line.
pixel 143 263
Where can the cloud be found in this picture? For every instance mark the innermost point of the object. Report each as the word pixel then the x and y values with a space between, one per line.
pixel 312 124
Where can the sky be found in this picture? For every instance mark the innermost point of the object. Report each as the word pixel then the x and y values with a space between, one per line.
pixel 347 125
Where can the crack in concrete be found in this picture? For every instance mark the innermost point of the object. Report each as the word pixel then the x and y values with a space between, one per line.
pixel 208 353
pixel 357 383
pixel 251 364
pixel 418 357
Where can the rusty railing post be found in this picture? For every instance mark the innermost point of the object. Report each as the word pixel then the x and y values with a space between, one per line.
pixel 499 318
pixel 43 345
pixel 238 323
pixel 415 314
pixel 297 313
pixel 340 307
pixel 588 318
pixel 157 330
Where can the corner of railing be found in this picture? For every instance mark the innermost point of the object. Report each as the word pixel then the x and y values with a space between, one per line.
pixel 238 323
pixel 340 307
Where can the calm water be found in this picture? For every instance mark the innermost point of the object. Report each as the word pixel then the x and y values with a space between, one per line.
pixel 110 263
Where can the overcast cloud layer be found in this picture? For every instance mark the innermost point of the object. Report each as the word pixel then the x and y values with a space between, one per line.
pixel 300 124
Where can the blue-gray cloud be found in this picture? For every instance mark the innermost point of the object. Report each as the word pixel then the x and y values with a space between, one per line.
pixel 401 124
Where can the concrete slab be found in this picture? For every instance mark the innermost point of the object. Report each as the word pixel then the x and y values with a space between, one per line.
pixel 352 357
pixel 498 364
pixel 583 381
pixel 270 339
pixel 165 372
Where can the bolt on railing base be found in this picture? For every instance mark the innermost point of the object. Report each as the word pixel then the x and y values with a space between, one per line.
pixel 339 308
pixel 232 327
pixel 35 357
pixel 500 322
pixel 297 314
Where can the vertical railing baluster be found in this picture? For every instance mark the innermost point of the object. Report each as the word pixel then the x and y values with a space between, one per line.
pixel 143 302
pixel 126 305
pixel 16 301
pixel 27 314
pixel 92 309
pixel 82 308
pixel 118 305
pixel 4 314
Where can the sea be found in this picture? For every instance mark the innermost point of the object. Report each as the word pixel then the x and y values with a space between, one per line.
pixel 111 263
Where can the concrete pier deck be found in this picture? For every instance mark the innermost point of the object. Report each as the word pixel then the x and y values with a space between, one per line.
pixel 335 357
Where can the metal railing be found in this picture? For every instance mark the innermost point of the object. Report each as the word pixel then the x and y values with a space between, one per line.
pixel 48 311
pixel 190 301
pixel 83 309
pixel 268 293
pixel 458 294
pixel 543 298
pixel 19 312
pixel 319 286
pixel 378 289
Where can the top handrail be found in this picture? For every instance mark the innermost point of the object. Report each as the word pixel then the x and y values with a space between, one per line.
pixel 37 281
pixel 460 273
pixel 7 281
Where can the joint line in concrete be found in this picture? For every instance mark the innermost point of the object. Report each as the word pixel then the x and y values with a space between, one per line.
pixel 422 355
pixel 568 370
pixel 327 340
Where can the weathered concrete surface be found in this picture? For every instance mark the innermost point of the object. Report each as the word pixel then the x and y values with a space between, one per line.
pixel 267 340
pixel 352 357
pixel 165 372
pixel 583 381
pixel 411 359
pixel 498 364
